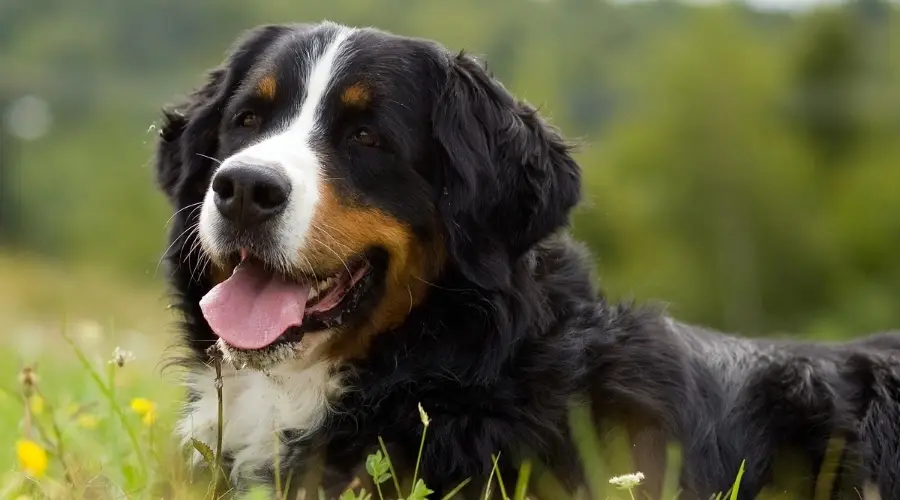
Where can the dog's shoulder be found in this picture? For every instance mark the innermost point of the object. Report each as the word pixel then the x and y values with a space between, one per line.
pixel 495 372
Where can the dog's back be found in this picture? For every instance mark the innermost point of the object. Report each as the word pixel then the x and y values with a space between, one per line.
pixel 827 413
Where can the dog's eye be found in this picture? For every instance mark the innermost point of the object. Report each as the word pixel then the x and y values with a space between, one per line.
pixel 246 119
pixel 365 137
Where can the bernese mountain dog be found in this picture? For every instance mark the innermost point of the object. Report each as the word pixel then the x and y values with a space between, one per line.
pixel 366 222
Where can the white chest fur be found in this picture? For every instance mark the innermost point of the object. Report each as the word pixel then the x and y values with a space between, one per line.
pixel 256 407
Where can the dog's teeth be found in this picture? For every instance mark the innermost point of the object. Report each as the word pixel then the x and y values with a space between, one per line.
pixel 313 293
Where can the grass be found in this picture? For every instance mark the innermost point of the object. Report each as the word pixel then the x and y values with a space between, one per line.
pixel 86 412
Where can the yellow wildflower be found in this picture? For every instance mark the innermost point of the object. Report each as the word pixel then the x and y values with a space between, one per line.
pixel 32 458
pixel 87 421
pixel 36 403
pixel 141 406
pixel 145 408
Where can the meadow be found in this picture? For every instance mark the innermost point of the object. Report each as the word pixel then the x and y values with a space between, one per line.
pixel 49 397
pixel 87 406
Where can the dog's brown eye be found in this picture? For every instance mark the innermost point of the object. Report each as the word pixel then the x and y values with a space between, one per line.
pixel 365 137
pixel 247 119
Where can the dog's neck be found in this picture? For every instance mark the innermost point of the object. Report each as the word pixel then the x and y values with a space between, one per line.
pixel 257 408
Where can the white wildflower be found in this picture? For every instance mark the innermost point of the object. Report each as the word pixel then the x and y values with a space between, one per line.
pixel 121 356
pixel 627 481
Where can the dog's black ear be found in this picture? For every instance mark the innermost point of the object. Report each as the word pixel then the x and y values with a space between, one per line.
pixel 509 179
pixel 188 135
pixel 177 151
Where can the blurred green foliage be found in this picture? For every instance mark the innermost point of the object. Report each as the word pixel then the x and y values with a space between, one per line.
pixel 740 166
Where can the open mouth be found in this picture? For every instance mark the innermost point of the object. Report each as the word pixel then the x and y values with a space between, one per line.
pixel 257 308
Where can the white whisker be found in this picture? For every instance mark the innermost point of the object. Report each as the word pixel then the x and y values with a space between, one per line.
pixel 187 230
pixel 210 158
pixel 192 205
pixel 344 262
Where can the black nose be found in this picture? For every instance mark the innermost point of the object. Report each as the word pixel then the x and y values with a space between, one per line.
pixel 248 195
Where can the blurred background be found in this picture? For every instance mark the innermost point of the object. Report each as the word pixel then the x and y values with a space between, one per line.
pixel 742 161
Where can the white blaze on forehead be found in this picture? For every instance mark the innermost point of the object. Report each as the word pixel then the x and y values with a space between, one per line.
pixel 291 150
pixel 319 78
pixel 300 134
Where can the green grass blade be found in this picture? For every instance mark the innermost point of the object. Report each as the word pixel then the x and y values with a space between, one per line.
pixel 737 482
pixel 456 490
pixel 110 396
pixel 499 478
pixel 390 466
pixel 522 481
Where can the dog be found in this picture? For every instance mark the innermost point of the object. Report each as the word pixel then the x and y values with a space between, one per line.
pixel 367 224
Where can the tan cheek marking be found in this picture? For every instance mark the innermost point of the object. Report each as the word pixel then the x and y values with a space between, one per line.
pixel 266 87
pixel 349 231
pixel 356 95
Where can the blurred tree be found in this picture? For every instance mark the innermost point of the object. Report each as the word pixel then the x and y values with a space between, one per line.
pixel 872 11
pixel 827 83
pixel 723 191
pixel 9 202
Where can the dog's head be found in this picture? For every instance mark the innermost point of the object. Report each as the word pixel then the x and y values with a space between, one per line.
pixel 324 177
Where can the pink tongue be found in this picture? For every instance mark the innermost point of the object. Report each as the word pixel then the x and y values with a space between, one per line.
pixel 252 308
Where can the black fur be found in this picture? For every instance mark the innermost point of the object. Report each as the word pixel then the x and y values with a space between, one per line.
pixel 514 331
pixel 508 177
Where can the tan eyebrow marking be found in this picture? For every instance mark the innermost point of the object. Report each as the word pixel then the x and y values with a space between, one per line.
pixel 356 95
pixel 266 87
